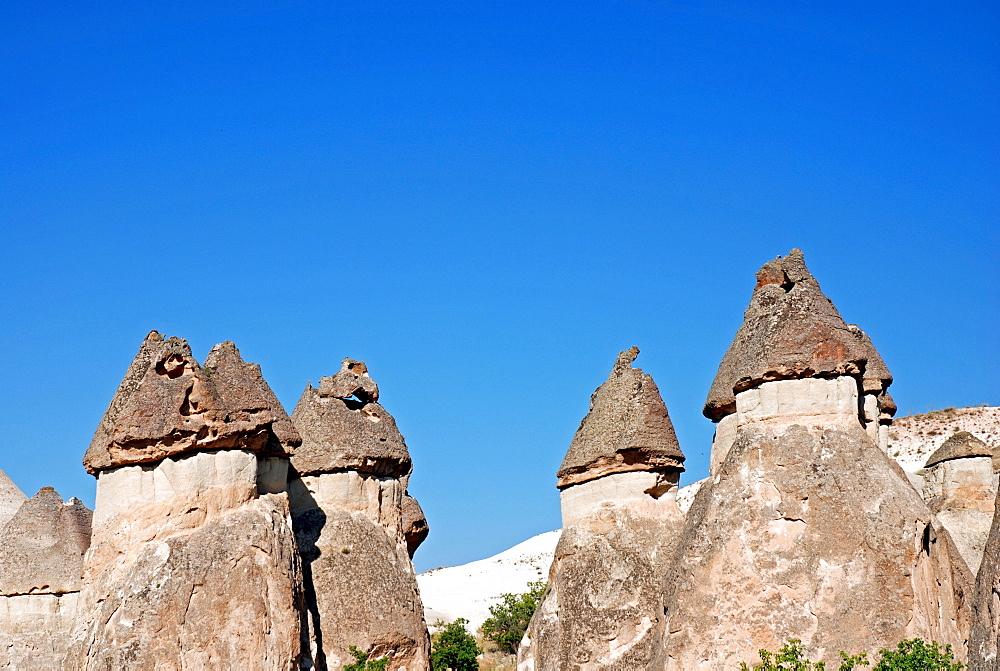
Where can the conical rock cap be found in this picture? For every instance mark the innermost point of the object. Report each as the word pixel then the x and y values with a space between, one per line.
pixel 961 445
pixel 626 429
pixel 167 404
pixel 343 433
pixel 42 546
pixel 791 330
pixel 11 498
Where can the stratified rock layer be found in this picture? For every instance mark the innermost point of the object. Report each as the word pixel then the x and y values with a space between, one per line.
pixel 41 552
pixel 809 533
pixel 191 566
pixel 620 522
pixel 356 526
pixel 627 429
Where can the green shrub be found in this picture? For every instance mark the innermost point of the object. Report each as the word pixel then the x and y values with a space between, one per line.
pixel 916 655
pixel 509 619
pixel 363 663
pixel 454 648
pixel 910 655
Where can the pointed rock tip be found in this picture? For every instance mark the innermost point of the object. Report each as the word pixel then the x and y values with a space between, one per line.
pixel 625 359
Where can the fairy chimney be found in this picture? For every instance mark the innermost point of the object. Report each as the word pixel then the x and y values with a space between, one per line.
pixel 11 498
pixel 618 485
pixel 803 507
pixel 960 487
pixel 984 640
pixel 356 525
pixel 193 558
pixel 41 552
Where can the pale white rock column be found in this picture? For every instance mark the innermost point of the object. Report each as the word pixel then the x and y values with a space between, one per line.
pixel 962 493
pixel 808 401
pixel 725 434
pixel 643 493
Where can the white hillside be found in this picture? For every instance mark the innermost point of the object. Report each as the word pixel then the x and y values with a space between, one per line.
pixel 469 590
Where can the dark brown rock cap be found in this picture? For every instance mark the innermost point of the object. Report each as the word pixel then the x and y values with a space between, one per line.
pixel 961 445
pixel 627 429
pixel 41 548
pixel 168 404
pixel 791 330
pixel 341 430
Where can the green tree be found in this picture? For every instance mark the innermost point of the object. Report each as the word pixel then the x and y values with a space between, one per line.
pixel 363 663
pixel 916 655
pixel 509 619
pixel 454 648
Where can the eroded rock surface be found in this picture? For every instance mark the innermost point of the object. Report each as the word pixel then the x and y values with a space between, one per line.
pixel 984 641
pixel 356 526
pixel 41 555
pixel 960 487
pixel 167 404
pixel 618 486
pixel 11 498
pixel 191 565
pixel 809 532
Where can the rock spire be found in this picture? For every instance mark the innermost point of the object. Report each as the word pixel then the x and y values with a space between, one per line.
pixel 618 487
pixel 11 498
pixel 627 429
pixel 194 561
pixel 356 525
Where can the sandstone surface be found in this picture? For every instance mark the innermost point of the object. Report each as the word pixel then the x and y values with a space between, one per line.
pixel 960 487
pixel 11 498
pixel 191 565
pixel 41 552
pixel 984 641
pixel 790 330
pixel 167 405
pixel 809 532
pixel 913 438
pixel 356 526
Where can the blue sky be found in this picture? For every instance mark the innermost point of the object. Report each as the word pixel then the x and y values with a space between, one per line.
pixel 485 202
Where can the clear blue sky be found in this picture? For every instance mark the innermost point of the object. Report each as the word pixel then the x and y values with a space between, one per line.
pixel 485 202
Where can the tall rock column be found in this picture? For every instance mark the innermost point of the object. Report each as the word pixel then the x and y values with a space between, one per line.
pixel 348 497
pixel 618 488
pixel 193 561
pixel 41 565
pixel 806 529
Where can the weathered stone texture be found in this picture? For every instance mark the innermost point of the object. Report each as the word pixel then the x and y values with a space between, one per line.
pixel 790 330
pixel 415 527
pixel 168 405
pixel 11 498
pixel 339 433
pixel 809 533
pixel 984 641
pixel 960 487
pixel 42 546
pixel 41 555
pixel 627 429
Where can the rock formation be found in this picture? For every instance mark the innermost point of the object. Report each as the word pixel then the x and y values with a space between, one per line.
pixel 960 487
pixel 348 497
pixel 11 498
pixel 984 641
pixel 41 553
pixel 618 485
pixel 806 530
pixel 193 562
pixel 792 331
